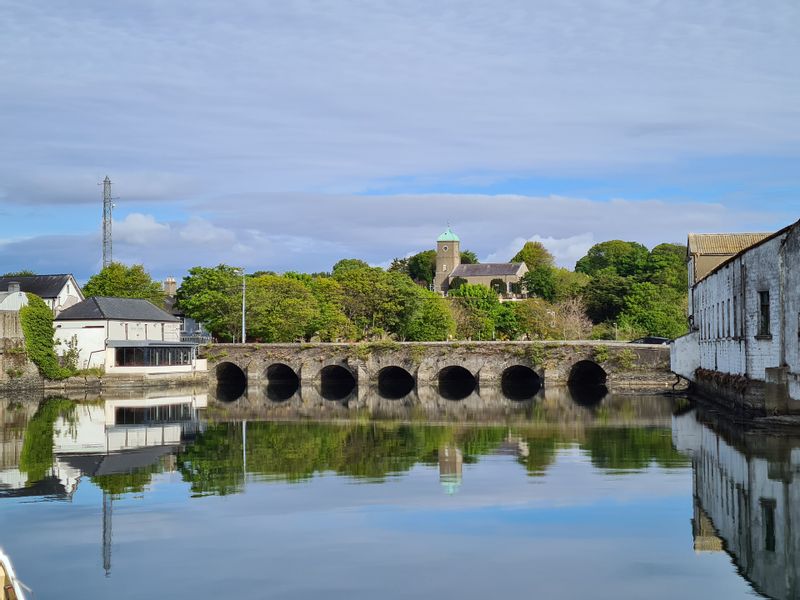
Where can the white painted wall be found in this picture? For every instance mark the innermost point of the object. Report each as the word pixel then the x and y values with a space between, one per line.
pixel 93 334
pixel 725 309
pixel 685 355
pixel 13 301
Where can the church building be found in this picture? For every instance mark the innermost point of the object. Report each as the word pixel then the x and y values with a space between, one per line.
pixel 448 267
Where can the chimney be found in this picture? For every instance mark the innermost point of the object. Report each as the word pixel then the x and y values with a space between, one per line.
pixel 170 286
pixel 13 287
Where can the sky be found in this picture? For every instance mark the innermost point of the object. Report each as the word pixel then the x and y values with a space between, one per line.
pixel 287 135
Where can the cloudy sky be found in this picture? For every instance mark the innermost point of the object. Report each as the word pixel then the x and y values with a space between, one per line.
pixel 287 135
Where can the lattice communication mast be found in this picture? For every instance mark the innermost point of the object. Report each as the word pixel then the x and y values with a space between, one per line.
pixel 108 206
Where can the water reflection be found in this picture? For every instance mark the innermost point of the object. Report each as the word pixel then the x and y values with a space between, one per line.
pixel 746 499
pixel 745 494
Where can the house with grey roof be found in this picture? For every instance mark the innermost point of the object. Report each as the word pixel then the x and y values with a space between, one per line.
pixel 58 291
pixel 125 336
pixel 449 267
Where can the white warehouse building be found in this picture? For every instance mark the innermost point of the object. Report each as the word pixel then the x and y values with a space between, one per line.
pixel 744 345
pixel 125 336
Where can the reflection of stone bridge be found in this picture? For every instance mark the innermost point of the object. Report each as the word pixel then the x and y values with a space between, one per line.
pixel 455 369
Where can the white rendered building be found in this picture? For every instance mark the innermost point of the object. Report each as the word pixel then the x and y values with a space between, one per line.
pixel 125 336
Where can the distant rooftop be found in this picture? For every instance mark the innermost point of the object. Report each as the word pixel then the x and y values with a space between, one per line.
pixel 723 244
pixel 118 309
pixel 44 286
pixel 486 270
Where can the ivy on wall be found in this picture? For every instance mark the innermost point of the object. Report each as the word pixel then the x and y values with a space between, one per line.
pixel 37 325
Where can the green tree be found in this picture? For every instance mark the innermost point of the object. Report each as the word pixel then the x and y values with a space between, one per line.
pixel 280 309
pixel 506 323
pixel 474 307
pixel 455 283
pixel 399 265
pixel 120 281
pixel 657 309
pixel 22 273
pixel 213 296
pixel 541 282
pixel 347 264
pixel 605 296
pixel 331 324
pixel 422 266
pixel 621 258
pixel 534 255
pixel 666 265
pixel 431 321
pixel 468 257
pixel 536 318
pixel 569 284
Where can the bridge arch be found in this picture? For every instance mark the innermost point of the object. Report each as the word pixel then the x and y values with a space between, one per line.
pixel 282 382
pixel 456 382
pixel 519 382
pixel 395 382
pixel 231 381
pixel 336 382
pixel 587 383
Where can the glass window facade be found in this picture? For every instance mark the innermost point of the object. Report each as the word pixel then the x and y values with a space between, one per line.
pixel 168 413
pixel 153 356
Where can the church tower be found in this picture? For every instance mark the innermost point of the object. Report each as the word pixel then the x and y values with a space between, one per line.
pixel 448 257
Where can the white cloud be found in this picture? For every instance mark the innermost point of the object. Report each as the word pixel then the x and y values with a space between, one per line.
pixel 566 251
pixel 137 229
pixel 200 231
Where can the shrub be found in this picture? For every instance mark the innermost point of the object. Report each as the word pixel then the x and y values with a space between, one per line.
pixel 37 325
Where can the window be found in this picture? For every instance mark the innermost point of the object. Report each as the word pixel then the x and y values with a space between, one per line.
pixel 735 319
pixel 444 248
pixel 444 267
pixel 768 515
pixel 763 321
pixel 728 318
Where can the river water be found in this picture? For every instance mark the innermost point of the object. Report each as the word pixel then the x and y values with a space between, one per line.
pixel 181 496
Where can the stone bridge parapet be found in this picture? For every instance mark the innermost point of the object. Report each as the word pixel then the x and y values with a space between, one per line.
pixel 624 365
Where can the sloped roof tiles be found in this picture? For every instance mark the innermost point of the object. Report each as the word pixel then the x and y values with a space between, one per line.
pixel 486 270
pixel 723 244
pixel 44 286
pixel 118 309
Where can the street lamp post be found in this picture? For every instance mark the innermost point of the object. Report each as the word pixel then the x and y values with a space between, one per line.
pixel 244 290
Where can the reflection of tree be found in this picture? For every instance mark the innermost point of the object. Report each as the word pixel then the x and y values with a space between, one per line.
pixel 632 449
pixel 539 451
pixel 134 481
pixel 293 452
pixel 36 457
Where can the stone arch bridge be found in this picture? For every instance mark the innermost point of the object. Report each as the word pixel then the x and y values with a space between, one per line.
pixel 455 369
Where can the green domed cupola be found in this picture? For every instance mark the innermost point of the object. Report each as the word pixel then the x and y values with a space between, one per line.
pixel 448 236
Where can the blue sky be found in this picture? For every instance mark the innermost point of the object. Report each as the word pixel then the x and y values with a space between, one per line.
pixel 286 135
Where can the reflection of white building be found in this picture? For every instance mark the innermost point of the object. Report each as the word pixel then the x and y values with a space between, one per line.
pixel 753 502
pixel 112 436
pixel 126 336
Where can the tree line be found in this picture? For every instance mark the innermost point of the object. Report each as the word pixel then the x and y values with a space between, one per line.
pixel 618 290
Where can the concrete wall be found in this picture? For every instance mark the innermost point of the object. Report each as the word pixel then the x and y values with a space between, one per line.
pixel 16 371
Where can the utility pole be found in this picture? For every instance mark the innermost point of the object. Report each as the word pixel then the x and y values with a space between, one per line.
pixel 108 206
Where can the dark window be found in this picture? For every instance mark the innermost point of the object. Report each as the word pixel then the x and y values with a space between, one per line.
pixel 158 356
pixel 735 319
pixel 768 513
pixel 763 321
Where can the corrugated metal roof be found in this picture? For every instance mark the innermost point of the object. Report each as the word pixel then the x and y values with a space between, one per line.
pixel 486 270
pixel 120 309
pixel 723 244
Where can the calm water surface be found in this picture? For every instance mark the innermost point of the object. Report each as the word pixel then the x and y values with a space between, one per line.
pixel 184 497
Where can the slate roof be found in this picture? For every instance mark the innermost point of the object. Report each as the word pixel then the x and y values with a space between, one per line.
pixel 486 270
pixel 44 286
pixel 723 244
pixel 118 309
